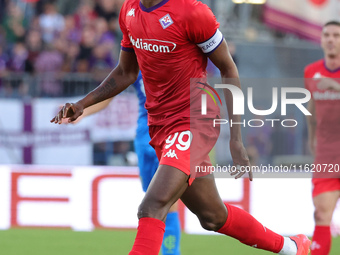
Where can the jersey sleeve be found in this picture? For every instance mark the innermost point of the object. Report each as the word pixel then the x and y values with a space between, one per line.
pixel 125 43
pixel 202 28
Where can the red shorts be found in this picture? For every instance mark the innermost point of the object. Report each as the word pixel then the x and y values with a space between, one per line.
pixel 185 146
pixel 326 176
pixel 322 185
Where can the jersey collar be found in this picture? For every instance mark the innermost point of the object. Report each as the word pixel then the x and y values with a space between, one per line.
pixel 329 70
pixel 153 7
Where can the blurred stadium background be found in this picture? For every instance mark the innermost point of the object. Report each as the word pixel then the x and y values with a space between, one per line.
pixel 84 177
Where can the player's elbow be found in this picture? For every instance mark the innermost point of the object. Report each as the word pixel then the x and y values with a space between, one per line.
pixel 130 75
pixel 133 76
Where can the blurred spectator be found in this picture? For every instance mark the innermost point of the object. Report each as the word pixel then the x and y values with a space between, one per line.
pixel 48 65
pixel 104 36
pixel 14 24
pixel 3 7
pixel 51 23
pixel 67 7
pixel 3 61
pixel 87 45
pixel 114 27
pixel 34 46
pixel 85 14
pixel 2 36
pixel 119 4
pixel 71 32
pixel 70 58
pixel 82 65
pixel 35 23
pixel 61 45
pixel 28 8
pixel 40 4
pixel 102 56
pixel 3 65
pixel 49 44
pixel 18 58
pixel 101 62
pixel 107 9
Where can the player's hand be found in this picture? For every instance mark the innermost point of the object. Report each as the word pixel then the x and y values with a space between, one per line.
pixel 66 120
pixel 328 84
pixel 240 158
pixel 71 111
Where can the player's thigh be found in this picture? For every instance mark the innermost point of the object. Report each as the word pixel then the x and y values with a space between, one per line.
pixel 166 187
pixel 203 199
pixel 324 204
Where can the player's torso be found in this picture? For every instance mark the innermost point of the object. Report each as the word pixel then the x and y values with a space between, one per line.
pixel 327 107
pixel 164 52
pixel 158 34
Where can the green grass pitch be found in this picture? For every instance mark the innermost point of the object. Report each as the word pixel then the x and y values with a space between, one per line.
pixel 112 242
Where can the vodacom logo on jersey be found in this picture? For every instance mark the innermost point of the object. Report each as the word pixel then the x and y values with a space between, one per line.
pixel 153 45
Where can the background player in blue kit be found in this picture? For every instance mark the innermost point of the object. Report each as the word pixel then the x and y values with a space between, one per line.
pixel 148 163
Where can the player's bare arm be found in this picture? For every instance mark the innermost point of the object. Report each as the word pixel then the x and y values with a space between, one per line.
pixel 96 107
pixel 311 122
pixel 118 80
pixel 224 62
pixel 89 110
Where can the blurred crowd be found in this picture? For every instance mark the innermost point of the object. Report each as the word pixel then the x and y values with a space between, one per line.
pixel 50 38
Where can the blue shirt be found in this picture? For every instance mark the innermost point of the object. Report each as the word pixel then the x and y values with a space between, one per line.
pixel 142 122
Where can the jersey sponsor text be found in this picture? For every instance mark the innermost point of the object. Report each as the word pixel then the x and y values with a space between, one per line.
pixel 327 95
pixel 153 45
